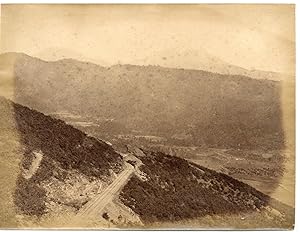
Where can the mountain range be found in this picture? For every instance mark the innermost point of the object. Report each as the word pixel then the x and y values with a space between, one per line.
pixel 193 106
pixel 196 60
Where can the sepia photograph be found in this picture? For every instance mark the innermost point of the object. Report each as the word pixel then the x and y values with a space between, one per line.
pixel 147 116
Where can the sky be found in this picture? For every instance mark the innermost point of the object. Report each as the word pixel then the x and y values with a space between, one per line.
pixel 250 36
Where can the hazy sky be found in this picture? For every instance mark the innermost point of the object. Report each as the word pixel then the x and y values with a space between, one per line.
pixel 250 36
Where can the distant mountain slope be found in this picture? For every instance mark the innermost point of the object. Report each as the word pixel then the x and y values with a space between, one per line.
pixel 202 107
pixel 203 60
pixel 53 152
pixel 172 189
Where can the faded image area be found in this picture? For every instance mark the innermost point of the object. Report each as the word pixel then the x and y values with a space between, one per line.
pixel 147 116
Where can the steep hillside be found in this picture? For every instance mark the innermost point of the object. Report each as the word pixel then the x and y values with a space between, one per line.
pixel 193 106
pixel 55 157
pixel 61 169
pixel 172 189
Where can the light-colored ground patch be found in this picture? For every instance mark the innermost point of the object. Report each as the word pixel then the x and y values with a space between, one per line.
pixel 72 193
pixel 265 219
pixel 28 173
pixel 285 192
pixel 121 216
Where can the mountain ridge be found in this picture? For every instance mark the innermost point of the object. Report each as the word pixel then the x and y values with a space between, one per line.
pixel 252 73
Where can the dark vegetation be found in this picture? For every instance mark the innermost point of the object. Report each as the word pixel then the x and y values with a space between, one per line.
pixel 105 216
pixel 71 148
pixel 132 162
pixel 64 148
pixel 30 197
pixel 177 190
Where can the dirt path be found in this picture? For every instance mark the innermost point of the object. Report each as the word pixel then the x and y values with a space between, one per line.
pixel 94 207
pixel 38 156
